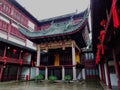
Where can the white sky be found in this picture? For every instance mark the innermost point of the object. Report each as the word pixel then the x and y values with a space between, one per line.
pixel 42 9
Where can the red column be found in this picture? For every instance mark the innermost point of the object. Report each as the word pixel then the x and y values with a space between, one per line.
pixel 18 73
pixel 101 72
pixel 108 75
pixel 4 55
pixel 116 68
pixel 29 72
pixel 1 72
pixel 5 52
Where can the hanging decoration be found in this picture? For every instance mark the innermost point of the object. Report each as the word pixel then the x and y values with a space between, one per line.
pixel 103 23
pixel 98 54
pixel 100 46
pixel 26 54
pixel 102 34
pixel 14 51
pixel 115 15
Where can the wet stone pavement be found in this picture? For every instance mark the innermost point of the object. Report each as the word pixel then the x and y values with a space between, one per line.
pixel 31 85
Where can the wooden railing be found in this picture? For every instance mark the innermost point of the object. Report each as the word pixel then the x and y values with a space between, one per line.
pixel 14 31
pixel 14 13
pixel 13 61
pixel 60 66
pixel 4 26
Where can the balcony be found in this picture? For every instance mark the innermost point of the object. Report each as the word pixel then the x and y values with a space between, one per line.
pixel 13 61
pixel 4 26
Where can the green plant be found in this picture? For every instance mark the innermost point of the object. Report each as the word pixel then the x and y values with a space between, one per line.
pixel 39 77
pixel 52 78
pixel 68 78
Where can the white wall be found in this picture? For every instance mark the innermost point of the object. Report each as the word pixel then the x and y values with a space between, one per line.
pixel 30 44
pixel 114 80
pixel 27 58
pixel 31 25
pixel 33 73
pixel 25 71
pixel 83 73
pixel 3 34
pixel 17 40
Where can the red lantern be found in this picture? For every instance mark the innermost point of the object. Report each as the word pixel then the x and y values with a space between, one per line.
pixel 14 51
pixel 103 23
pixel 26 54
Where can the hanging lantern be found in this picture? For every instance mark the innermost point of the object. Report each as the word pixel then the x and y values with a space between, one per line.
pixel 103 23
pixel 14 51
pixel 5 59
pixel 26 54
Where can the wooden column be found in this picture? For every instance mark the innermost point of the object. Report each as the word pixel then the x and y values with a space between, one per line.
pixel 5 52
pixel 104 78
pixel 117 70
pixel 38 60
pixel 3 66
pixel 1 72
pixel 29 73
pixel 9 29
pixel 108 75
pixel 63 72
pixel 18 73
pixel 103 73
pixel 46 73
pixel 73 61
pixel 100 76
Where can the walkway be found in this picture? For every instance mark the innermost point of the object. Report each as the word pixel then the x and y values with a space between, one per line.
pixel 89 85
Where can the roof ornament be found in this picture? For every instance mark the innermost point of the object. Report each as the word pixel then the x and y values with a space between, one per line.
pixel 76 11
pixel 52 22
pixel 70 22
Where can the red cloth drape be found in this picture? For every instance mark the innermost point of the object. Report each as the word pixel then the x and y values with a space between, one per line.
pixel 98 54
pixel 102 34
pixel 115 15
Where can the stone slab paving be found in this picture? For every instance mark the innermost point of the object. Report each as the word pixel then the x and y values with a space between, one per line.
pixel 31 85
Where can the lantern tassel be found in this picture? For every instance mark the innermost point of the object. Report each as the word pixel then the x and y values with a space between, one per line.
pixel 115 16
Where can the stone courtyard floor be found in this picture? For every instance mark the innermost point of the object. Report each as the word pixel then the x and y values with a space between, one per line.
pixel 31 85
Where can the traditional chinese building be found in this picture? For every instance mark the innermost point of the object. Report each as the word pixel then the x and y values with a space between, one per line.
pixel 63 45
pixel 16 52
pixel 59 41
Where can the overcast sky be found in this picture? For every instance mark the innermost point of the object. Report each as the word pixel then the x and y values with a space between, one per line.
pixel 42 9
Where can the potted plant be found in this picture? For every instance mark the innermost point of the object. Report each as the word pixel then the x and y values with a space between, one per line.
pixel 52 78
pixel 39 78
pixel 68 78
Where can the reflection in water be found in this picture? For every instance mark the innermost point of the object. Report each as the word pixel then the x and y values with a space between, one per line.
pixel 89 85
